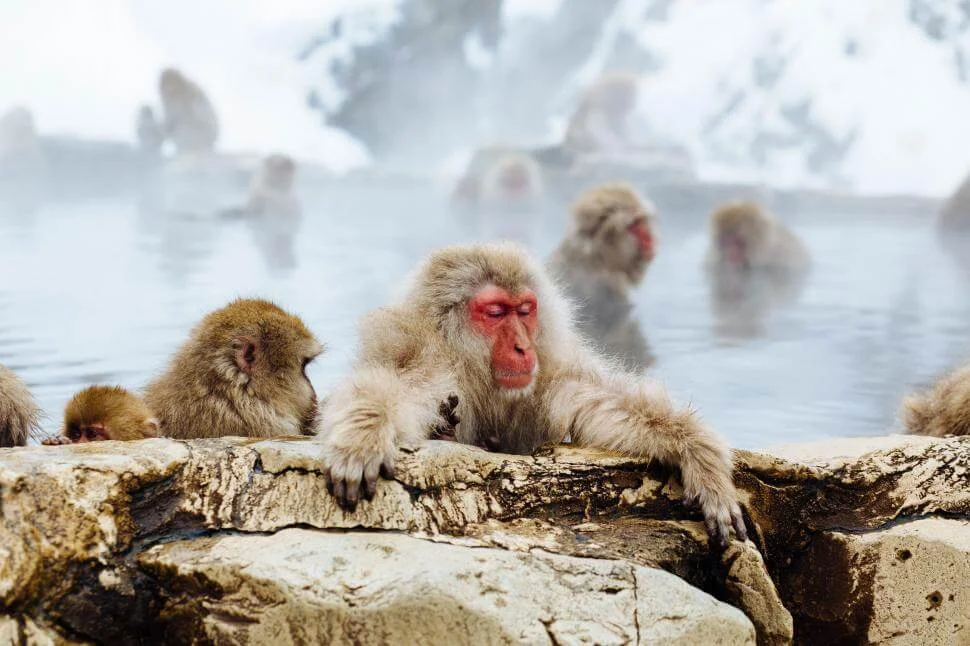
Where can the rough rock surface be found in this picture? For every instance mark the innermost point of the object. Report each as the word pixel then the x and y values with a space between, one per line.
pixel 87 535
pixel 299 586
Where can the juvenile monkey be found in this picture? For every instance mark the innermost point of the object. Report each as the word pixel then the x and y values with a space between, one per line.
pixel 190 120
pixel 603 257
pixel 102 413
pixel 19 414
pixel 942 410
pixel 754 264
pixel 485 323
pixel 149 131
pixel 241 372
pixel 599 123
pixel 500 177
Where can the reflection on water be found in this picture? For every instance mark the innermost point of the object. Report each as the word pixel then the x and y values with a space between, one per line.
pixel 103 291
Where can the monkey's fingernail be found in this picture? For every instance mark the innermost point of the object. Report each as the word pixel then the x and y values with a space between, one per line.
pixel 370 488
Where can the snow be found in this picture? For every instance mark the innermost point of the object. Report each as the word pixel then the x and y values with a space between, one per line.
pixel 84 68
pixel 866 75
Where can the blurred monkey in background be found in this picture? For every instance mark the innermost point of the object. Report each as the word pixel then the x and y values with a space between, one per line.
pixel 189 118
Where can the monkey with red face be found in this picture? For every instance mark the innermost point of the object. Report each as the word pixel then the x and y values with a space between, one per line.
pixel 486 324
pixel 601 260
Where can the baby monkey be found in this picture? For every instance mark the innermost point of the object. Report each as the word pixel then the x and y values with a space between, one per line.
pixel 101 413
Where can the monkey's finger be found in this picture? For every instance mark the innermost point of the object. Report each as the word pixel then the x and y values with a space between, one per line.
pixel 370 479
pixel 717 531
pixel 328 479
pixel 339 491
pixel 352 492
pixel 737 520
pixel 387 468
pixel 453 401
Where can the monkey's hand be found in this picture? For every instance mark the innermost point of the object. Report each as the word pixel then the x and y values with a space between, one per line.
pixel 447 426
pixel 57 440
pixel 714 493
pixel 354 461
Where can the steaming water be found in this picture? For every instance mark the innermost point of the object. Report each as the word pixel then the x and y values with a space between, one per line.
pixel 103 291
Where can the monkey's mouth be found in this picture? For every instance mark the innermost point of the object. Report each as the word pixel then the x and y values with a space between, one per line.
pixel 515 379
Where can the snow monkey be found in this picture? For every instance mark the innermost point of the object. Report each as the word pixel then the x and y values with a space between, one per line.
pixel 485 323
pixel 603 257
pixel 943 410
pixel 19 414
pixel 241 372
pixel 745 236
pixel 955 214
pixel 754 264
pixel 148 131
pixel 599 123
pixel 105 413
pixel 190 119
pixel 500 176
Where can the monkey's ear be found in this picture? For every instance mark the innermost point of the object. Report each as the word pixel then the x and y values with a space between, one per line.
pixel 245 349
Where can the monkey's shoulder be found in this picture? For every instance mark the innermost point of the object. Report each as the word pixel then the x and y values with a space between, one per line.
pixel 394 337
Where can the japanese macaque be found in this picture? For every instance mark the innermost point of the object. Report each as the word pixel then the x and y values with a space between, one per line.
pixel 486 324
pixel 603 257
pixel 149 131
pixel 105 413
pixel 273 211
pixel 190 120
pixel 600 121
pixel 19 414
pixel 754 264
pixel 942 410
pixel 500 177
pixel 241 372
pixel 21 156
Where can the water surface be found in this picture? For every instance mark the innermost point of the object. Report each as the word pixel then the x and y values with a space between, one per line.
pixel 104 290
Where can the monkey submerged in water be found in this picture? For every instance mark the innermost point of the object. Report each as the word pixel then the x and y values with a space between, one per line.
pixel 101 413
pixel 19 414
pixel 601 260
pixel 500 177
pixel 942 410
pixel 241 372
pixel 485 323
pixel 754 264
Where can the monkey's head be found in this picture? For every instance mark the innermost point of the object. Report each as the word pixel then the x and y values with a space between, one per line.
pixel 261 352
pixel 740 232
pixel 615 226
pixel 515 175
pixel 146 114
pixel 171 83
pixel 486 301
pixel 278 172
pixel 17 126
pixel 107 413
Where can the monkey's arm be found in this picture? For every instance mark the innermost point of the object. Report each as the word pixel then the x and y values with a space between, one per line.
pixel 634 418
pixel 394 396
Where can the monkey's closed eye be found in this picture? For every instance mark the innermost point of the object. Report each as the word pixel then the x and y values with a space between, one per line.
pixel 496 311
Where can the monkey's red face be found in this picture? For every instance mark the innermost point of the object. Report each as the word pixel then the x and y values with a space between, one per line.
pixel 640 231
pixel 509 322
pixel 734 248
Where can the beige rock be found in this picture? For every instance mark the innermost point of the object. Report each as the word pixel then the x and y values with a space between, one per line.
pixel 299 587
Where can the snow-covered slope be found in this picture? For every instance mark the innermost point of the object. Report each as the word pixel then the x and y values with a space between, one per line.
pixel 872 95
